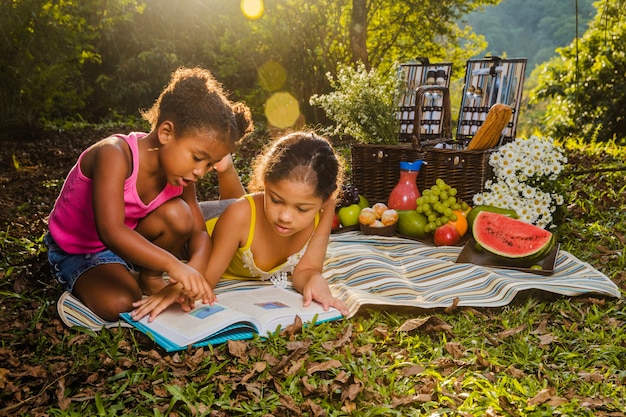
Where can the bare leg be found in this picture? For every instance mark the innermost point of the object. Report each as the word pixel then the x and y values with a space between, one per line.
pixel 108 290
pixel 169 227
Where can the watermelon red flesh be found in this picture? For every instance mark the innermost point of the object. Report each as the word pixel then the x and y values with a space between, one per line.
pixel 508 237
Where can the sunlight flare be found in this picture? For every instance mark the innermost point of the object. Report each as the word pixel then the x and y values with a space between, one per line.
pixel 272 75
pixel 282 110
pixel 252 9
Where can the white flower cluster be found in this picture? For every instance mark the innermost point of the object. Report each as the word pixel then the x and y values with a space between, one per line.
pixel 363 104
pixel 525 179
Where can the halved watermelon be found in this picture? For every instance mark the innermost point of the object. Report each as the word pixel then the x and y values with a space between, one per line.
pixel 511 238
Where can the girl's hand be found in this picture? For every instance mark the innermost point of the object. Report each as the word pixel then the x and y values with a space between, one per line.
pixel 317 290
pixel 192 283
pixel 224 164
pixel 156 303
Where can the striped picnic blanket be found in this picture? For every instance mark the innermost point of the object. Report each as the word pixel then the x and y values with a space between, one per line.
pixel 366 270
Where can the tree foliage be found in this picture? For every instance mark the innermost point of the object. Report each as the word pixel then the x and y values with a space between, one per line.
pixel 530 28
pixel 585 85
pixel 91 60
pixel 45 46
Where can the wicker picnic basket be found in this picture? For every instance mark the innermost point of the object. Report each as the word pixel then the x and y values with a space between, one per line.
pixel 376 168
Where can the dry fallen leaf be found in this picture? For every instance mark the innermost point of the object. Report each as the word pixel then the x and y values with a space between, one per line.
pixel 195 360
pixel 348 407
pixel 557 401
pixel 62 402
pixel 542 328
pixel 412 370
pixel 514 372
pixel 455 349
pixel 323 366
pixel 344 340
pixel 308 388
pixel 451 308
pixel 293 356
pixel 410 399
pixel 511 332
pixel 546 339
pixel 381 331
pixel 9 356
pixel 603 249
pixel 290 331
pixel 430 324
pixel 258 367
pixel 541 397
pixel 316 410
pixel 238 348
pixel 351 392
pixel 3 377
pixel 482 361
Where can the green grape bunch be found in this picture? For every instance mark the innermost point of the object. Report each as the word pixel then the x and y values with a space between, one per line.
pixel 438 204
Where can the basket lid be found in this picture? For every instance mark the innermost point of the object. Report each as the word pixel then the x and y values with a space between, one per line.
pixel 411 166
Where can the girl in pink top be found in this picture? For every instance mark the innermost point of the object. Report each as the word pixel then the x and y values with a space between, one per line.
pixel 128 211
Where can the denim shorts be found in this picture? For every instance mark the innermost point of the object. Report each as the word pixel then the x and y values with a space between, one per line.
pixel 66 267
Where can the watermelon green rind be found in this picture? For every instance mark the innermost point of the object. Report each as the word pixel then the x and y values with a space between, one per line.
pixel 471 216
pixel 511 238
pixel 544 252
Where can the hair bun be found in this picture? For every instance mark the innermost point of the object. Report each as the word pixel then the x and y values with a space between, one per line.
pixel 243 121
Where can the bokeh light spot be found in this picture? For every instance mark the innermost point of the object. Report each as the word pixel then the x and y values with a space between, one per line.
pixel 272 76
pixel 252 9
pixel 282 110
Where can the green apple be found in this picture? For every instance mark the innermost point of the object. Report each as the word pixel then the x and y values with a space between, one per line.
pixel 363 202
pixel 411 223
pixel 349 215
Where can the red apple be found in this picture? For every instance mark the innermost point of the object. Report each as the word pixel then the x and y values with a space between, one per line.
pixel 336 222
pixel 446 235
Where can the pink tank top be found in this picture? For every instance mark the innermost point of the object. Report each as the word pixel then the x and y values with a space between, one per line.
pixel 71 222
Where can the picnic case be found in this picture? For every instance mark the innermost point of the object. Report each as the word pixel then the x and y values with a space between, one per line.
pixel 376 168
pixel 428 109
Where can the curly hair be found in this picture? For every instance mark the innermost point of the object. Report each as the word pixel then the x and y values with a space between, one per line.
pixel 300 156
pixel 195 100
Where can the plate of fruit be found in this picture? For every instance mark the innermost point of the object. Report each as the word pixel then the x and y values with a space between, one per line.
pixel 503 241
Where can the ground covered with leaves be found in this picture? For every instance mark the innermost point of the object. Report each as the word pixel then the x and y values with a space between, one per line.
pixel 538 356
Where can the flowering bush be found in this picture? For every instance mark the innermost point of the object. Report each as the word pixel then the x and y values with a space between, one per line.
pixel 526 179
pixel 363 104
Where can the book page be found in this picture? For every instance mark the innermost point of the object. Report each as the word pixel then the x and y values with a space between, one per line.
pixel 204 320
pixel 274 306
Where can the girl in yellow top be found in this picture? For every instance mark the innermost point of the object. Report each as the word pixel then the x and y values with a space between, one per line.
pixel 280 230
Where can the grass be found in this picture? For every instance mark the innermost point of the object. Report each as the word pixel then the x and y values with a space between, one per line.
pixel 539 356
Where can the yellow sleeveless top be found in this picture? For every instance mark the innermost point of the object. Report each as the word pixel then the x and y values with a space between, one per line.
pixel 242 266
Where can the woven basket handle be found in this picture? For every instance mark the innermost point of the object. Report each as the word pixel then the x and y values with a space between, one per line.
pixel 446 123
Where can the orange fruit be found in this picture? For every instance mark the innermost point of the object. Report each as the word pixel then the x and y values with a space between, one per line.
pixel 460 223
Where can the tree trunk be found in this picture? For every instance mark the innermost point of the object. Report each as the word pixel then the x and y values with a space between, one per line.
pixel 358 32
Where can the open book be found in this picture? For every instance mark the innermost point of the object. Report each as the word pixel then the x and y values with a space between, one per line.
pixel 237 315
